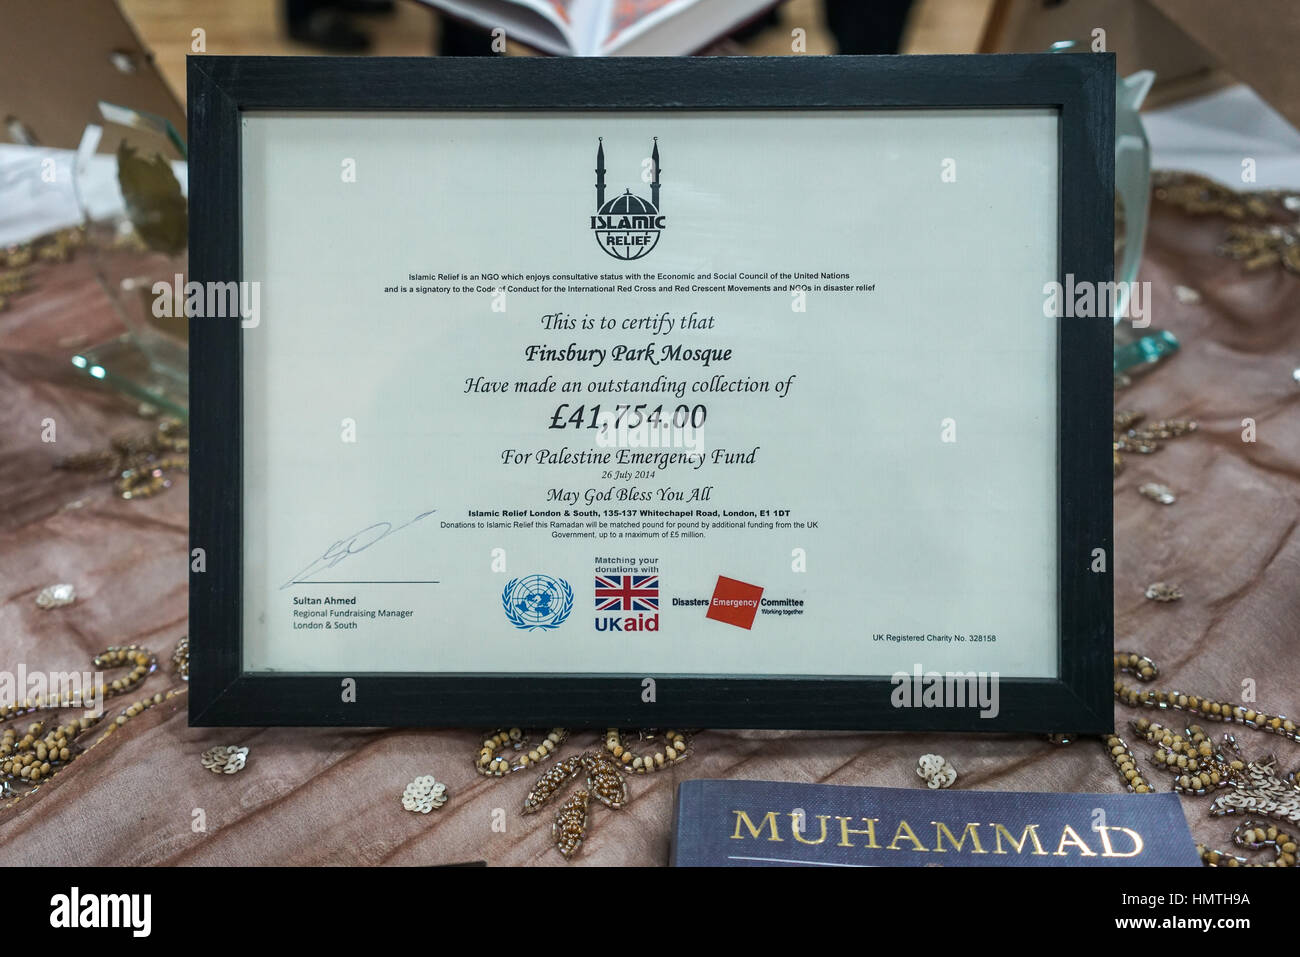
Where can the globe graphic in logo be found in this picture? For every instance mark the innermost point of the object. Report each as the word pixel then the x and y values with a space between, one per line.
pixel 632 227
pixel 627 226
pixel 537 601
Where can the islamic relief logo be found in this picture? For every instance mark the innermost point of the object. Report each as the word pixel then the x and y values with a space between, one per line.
pixel 537 601
pixel 627 226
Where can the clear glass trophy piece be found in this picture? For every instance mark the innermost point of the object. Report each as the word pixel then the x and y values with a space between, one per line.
pixel 138 246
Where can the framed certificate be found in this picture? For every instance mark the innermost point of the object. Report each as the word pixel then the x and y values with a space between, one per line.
pixel 652 392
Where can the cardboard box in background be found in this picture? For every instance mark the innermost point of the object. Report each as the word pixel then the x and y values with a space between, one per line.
pixel 1194 46
pixel 58 58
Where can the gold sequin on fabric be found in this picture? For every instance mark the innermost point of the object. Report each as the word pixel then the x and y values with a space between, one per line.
pixel 1129 435
pixel 551 783
pixel 1163 592
pixel 139 465
pixel 1266 231
pixel 1199 766
pixel 424 794
pixel 570 827
pixel 605 781
pixel 56 596
pixel 1158 493
pixel 46 749
pixel 606 775
pixel 181 658
pixel 56 247
pixel 225 759
pixel 669 748
pixel 506 750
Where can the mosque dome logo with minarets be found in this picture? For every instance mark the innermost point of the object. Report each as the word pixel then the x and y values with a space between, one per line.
pixel 627 226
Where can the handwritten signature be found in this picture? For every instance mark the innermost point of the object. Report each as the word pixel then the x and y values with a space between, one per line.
pixel 351 545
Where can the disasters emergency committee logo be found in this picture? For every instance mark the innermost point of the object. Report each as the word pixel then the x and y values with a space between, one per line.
pixel 627 226
pixel 537 601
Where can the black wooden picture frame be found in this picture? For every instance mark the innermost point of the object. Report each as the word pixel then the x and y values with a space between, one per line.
pixel 1081 87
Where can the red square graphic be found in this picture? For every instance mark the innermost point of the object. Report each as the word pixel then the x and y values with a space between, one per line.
pixel 734 602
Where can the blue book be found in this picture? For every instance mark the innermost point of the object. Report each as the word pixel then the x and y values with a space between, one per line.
pixel 757 823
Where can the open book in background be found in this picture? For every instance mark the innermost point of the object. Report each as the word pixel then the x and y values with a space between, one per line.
pixel 609 27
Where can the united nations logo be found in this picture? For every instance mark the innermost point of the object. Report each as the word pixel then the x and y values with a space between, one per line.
pixel 538 601
pixel 627 226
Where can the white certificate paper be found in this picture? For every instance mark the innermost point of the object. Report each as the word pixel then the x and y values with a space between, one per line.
pixel 651 393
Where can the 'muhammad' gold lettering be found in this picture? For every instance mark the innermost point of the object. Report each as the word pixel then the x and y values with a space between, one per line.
pixel 1030 832
pixel 845 831
pixel 940 829
pixel 768 819
pixel 768 828
pixel 794 826
pixel 911 836
pixel 1071 838
pixel 1110 851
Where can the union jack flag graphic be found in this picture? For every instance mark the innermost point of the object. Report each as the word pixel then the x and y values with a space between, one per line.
pixel 627 592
